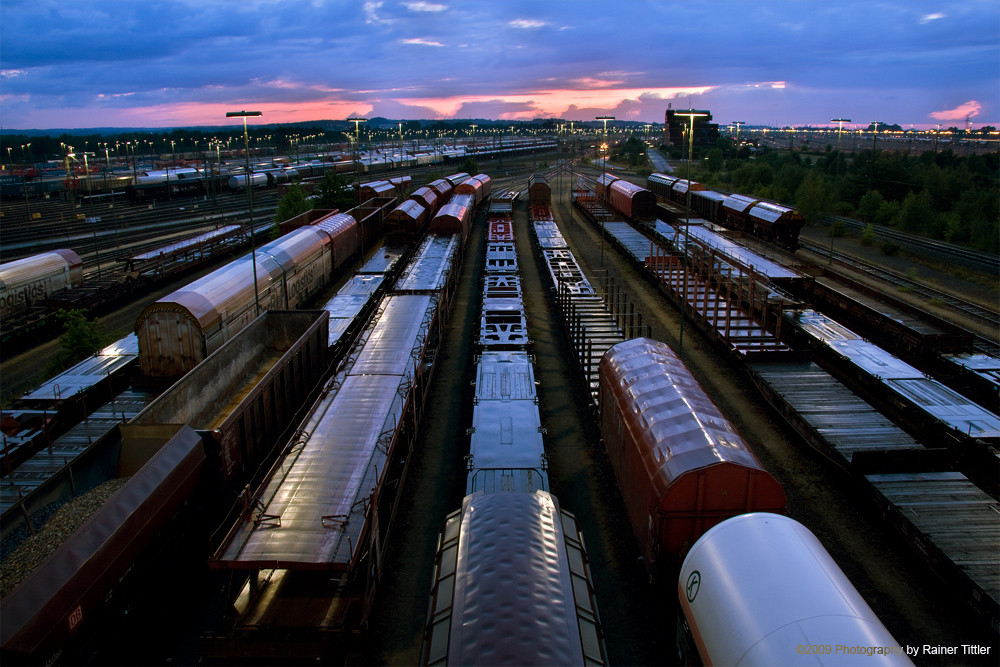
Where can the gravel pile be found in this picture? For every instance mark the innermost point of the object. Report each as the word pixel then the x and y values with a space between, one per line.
pixel 35 549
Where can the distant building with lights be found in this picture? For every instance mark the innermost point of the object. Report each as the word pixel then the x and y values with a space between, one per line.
pixel 675 126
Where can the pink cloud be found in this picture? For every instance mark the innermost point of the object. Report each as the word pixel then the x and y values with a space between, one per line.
pixel 970 108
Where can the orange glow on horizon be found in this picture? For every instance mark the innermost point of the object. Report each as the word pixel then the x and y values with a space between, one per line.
pixel 541 103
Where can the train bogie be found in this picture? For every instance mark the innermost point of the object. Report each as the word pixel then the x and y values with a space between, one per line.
pixel 681 466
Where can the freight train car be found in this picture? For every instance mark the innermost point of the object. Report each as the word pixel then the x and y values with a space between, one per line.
pixel 455 217
pixel 444 190
pixel 772 222
pixel 539 191
pixel 632 201
pixel 50 613
pixel 405 222
pixel 29 281
pixel 680 465
pixel 760 589
pixel 512 586
pixel 428 198
pixel 182 328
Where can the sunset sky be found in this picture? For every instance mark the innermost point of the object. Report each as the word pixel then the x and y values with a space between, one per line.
pixel 125 63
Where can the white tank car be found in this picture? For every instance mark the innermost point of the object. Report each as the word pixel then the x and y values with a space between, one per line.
pixel 760 589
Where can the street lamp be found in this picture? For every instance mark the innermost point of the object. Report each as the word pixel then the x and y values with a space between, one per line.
pixel 871 167
pixel 692 114
pixel 840 129
pixel 357 147
pixel 253 247
pixel 604 194
pixel 473 126
pixel 738 124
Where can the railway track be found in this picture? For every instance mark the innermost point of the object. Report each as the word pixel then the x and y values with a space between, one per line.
pixel 939 250
pixel 952 302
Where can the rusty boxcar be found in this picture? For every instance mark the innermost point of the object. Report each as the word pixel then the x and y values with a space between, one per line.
pixel 680 465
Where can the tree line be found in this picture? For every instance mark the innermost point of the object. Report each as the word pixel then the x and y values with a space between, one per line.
pixel 939 195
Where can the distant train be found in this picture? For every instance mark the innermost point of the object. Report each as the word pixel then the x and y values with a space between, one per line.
pixel 760 589
pixel 772 222
pixel 29 281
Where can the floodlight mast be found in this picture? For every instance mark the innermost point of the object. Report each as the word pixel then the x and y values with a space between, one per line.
pixel 249 180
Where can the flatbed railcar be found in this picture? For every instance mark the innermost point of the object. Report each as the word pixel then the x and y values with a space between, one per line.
pixel 337 489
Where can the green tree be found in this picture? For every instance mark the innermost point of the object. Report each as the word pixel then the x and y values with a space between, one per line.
pixel 814 198
pixel 292 204
pixel 870 204
pixel 80 339
pixel 916 214
pixel 334 193
pixel 715 160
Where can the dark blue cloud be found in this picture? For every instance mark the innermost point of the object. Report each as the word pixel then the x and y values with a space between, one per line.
pixel 897 59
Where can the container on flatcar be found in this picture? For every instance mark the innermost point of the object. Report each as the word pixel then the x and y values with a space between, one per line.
pixel 680 465
pixel 25 282
pixel 455 217
pixel 758 587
